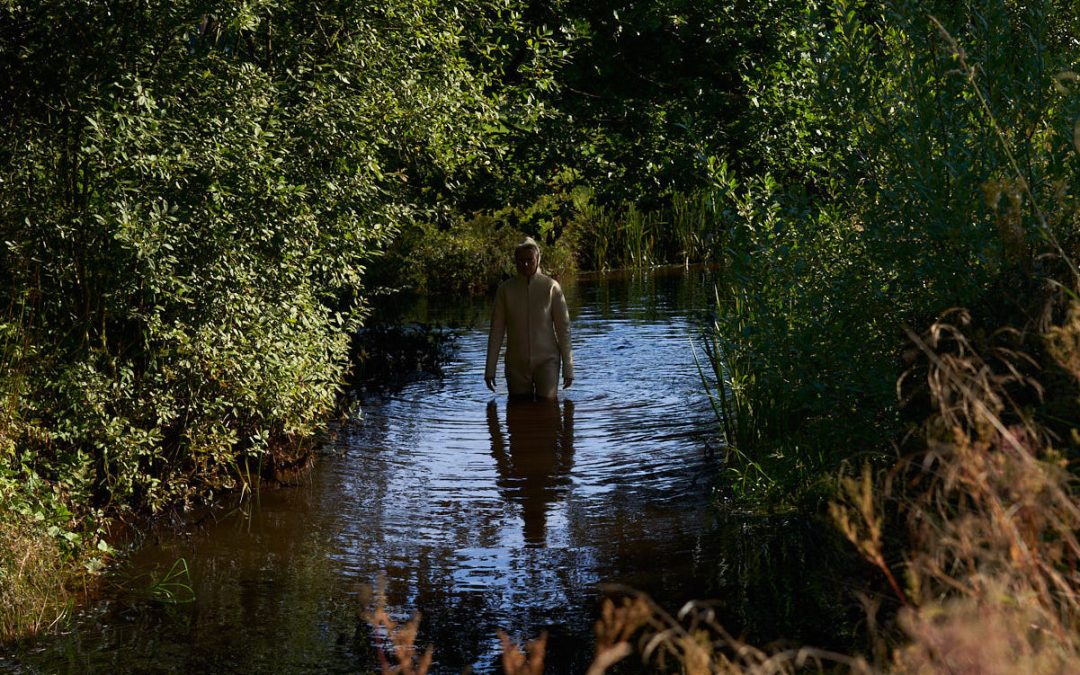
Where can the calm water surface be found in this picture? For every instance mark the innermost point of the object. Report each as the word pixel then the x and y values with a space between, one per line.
pixel 478 513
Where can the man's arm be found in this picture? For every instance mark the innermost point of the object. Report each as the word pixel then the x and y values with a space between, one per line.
pixel 560 315
pixel 495 337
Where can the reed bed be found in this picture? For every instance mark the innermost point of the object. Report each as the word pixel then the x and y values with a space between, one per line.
pixel 684 228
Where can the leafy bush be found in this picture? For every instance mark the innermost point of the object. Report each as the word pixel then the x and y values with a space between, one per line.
pixel 911 159
pixel 189 196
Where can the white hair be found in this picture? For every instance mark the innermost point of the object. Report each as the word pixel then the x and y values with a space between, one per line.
pixel 528 242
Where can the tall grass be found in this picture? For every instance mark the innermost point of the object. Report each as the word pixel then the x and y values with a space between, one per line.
pixel 599 239
pixel 694 224
pixel 48 543
pixel 991 510
pixel 34 569
pixel 727 383
pixel 683 228
pixel 34 578
pixel 640 230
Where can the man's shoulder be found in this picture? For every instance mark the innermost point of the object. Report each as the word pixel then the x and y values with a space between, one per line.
pixel 547 281
pixel 507 283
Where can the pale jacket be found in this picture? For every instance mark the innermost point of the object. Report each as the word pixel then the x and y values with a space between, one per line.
pixel 534 316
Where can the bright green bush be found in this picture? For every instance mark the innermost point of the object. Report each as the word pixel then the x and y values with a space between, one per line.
pixel 190 193
pixel 469 257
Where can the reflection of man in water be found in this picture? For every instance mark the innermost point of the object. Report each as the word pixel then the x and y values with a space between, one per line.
pixel 531 310
pixel 536 469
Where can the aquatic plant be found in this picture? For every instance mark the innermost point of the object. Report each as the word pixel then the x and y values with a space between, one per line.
pixel 696 225
pixel 598 237
pixel 174 586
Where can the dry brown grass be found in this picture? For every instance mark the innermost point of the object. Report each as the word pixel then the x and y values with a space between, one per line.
pixel 398 654
pixel 515 662
pixel 33 578
pixel 693 642
pixel 630 623
pixel 993 517
pixel 991 514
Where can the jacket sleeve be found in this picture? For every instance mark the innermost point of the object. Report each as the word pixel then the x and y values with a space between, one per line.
pixel 495 335
pixel 560 315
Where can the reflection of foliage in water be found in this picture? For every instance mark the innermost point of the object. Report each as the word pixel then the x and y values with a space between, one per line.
pixel 385 354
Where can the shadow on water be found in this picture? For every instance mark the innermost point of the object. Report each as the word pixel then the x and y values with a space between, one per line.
pixel 481 513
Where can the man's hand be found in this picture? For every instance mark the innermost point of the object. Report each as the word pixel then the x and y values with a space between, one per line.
pixel 566 382
pixel 490 382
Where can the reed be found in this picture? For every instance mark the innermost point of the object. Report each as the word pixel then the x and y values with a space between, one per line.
pixel 695 224
pixel 599 226
pixel 728 383
pixel 639 233
pixel 685 228
pixel 174 586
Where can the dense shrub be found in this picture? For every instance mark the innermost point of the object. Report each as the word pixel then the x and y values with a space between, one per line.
pixel 911 159
pixel 189 195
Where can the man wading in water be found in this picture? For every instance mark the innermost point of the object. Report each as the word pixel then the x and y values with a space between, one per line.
pixel 531 310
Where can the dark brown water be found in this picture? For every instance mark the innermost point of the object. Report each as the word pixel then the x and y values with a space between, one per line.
pixel 478 513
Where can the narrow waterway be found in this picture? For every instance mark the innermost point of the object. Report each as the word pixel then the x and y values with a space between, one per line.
pixel 480 514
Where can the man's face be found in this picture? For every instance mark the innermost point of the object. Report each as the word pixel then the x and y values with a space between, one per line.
pixel 526 260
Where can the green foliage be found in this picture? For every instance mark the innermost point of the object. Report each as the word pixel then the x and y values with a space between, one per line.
pixel 684 228
pixel 904 169
pixel 471 256
pixel 473 253
pixel 190 193
pixel 649 90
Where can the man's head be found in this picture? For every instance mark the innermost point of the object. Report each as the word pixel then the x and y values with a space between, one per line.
pixel 527 257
